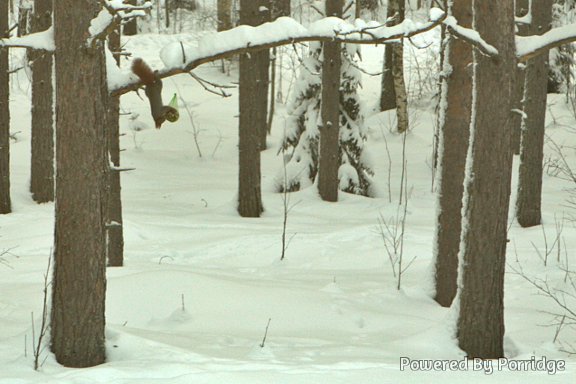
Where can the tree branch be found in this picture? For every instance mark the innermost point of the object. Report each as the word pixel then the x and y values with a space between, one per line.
pixel 528 47
pixel 283 31
pixel 470 36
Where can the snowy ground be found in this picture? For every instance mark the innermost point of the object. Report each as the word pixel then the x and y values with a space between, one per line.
pixel 200 283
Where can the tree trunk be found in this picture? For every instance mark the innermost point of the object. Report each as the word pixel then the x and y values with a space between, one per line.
pixel 131 26
pixel 529 197
pixel 79 281
pixel 454 131
pixel 402 122
pixel 393 77
pixel 279 8
pixel 329 131
pixel 388 92
pixel 518 93
pixel 114 225
pixel 480 324
pixel 24 10
pixel 224 15
pixel 42 159
pixel 262 65
pixel 250 123
pixel 5 204
pixel 167 13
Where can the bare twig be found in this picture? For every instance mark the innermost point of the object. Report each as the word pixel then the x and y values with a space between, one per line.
pixel 265 334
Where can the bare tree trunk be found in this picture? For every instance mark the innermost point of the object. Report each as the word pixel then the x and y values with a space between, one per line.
pixel 224 21
pixel 262 59
pixel 480 324
pixel 42 159
pixel 329 132
pixel 114 223
pixel 518 91
pixel 5 204
pixel 388 91
pixel 224 15
pixel 454 131
pixel 131 26
pixel 402 122
pixel 24 10
pixel 393 77
pixel 79 281
pixel 167 13
pixel 250 123
pixel 279 8
pixel 528 203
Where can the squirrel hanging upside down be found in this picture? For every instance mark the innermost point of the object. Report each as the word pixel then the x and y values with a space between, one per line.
pixel 153 90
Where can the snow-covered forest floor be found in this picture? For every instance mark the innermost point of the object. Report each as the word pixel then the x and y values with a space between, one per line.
pixel 200 284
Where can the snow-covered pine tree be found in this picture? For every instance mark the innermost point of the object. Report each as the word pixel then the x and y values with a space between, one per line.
pixel 301 136
pixel 301 133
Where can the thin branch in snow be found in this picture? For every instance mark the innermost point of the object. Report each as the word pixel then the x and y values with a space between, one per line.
pixel 204 83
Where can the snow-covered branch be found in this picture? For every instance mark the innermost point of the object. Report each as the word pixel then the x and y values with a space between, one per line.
pixel 470 36
pixel 41 40
pixel 531 46
pixel 180 58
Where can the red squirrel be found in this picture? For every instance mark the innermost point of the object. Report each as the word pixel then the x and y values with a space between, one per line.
pixel 153 90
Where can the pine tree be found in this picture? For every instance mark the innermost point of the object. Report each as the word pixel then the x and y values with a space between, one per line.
pixel 301 138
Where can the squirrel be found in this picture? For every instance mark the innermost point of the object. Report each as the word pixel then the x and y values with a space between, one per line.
pixel 153 90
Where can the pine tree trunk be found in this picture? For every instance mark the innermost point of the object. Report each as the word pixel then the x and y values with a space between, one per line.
pixel 250 124
pixel 114 224
pixel 329 132
pixel 480 324
pixel 518 93
pixel 42 160
pixel 79 281
pixel 5 204
pixel 131 26
pixel 528 210
pixel 454 132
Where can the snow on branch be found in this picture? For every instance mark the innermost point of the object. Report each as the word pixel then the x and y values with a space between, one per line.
pixel 528 47
pixel 470 36
pixel 181 58
pixel 41 40
pixel 111 15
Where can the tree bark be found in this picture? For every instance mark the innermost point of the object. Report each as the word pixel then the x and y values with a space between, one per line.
pixel 131 26
pixel 224 15
pixel 454 131
pixel 279 8
pixel 528 201
pixel 114 223
pixel 329 131
pixel 79 281
pixel 480 324
pixel 5 203
pixel 250 123
pixel 42 143
pixel 518 93
pixel 393 77
pixel 388 91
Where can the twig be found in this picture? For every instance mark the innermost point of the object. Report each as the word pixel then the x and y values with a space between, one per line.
pixel 265 334
pixel 203 83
